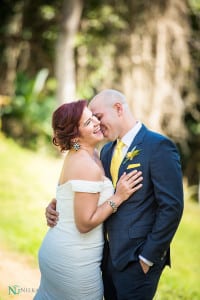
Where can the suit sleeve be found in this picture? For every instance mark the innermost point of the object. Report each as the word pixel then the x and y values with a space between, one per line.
pixel 166 176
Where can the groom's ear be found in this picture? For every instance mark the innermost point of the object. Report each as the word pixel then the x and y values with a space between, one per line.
pixel 119 108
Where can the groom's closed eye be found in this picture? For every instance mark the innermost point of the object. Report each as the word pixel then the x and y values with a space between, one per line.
pixel 98 116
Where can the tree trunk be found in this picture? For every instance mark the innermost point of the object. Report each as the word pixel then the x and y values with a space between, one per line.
pixel 12 51
pixel 65 62
pixel 158 82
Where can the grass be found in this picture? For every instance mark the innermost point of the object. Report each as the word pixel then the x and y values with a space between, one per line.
pixel 181 281
pixel 27 183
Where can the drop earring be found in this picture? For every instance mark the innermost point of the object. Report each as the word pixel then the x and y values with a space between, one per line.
pixel 76 146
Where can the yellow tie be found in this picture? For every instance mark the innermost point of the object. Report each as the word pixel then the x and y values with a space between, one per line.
pixel 116 161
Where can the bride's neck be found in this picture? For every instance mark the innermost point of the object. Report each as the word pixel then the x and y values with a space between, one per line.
pixel 89 150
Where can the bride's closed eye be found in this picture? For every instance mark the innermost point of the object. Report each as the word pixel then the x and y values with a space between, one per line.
pixel 88 122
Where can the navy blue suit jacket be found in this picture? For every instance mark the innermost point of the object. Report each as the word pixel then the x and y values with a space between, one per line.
pixel 146 223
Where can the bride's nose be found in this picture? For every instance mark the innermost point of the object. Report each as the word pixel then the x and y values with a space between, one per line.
pixel 95 120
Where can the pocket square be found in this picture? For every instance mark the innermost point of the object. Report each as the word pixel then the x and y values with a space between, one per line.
pixel 131 166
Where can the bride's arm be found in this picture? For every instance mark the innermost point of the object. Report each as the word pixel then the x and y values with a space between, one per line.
pixel 87 213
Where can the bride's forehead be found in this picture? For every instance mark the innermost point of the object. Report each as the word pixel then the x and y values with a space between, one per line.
pixel 87 111
pixel 86 114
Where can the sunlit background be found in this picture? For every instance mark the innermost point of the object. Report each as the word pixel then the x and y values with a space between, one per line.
pixel 54 51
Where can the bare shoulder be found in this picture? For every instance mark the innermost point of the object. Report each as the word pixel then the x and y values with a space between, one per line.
pixel 82 166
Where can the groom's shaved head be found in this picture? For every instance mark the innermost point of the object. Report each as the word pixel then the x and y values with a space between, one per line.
pixel 111 108
pixel 109 97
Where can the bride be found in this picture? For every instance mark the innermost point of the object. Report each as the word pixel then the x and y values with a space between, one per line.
pixel 71 252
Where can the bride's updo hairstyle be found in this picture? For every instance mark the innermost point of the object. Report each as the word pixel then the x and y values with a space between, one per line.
pixel 65 123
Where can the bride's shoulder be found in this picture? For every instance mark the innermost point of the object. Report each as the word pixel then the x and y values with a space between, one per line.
pixel 83 167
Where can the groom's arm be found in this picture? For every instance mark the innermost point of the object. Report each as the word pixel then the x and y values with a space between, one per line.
pixel 166 175
pixel 51 214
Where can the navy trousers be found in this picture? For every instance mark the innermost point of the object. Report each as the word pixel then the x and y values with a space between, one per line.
pixel 131 283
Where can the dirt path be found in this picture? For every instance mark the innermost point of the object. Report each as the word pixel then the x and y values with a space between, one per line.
pixel 18 279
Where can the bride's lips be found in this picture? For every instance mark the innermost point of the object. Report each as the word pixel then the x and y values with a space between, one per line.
pixel 97 130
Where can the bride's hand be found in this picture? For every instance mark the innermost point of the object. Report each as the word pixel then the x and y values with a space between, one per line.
pixel 129 184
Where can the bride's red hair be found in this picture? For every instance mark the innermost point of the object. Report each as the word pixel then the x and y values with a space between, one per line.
pixel 65 123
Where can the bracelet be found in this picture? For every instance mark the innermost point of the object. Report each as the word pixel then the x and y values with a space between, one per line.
pixel 113 205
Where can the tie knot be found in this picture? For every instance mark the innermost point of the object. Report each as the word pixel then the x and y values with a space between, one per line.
pixel 119 145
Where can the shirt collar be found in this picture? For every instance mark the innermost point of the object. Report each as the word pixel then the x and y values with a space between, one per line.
pixel 127 139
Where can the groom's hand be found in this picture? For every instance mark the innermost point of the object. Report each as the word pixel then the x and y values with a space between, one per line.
pixel 144 266
pixel 51 214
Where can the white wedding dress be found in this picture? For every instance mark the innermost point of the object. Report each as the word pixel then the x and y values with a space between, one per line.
pixel 69 260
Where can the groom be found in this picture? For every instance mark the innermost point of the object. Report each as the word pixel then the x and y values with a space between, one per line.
pixel 139 234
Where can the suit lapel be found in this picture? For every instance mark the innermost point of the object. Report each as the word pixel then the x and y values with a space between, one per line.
pixel 108 158
pixel 138 138
pixel 135 143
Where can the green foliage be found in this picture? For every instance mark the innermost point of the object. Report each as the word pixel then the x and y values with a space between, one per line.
pixel 98 41
pixel 101 47
pixel 24 195
pixel 195 5
pixel 28 116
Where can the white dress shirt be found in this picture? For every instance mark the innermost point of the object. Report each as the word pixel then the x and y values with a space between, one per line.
pixel 127 139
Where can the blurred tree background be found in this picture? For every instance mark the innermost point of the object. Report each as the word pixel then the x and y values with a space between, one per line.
pixel 54 51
